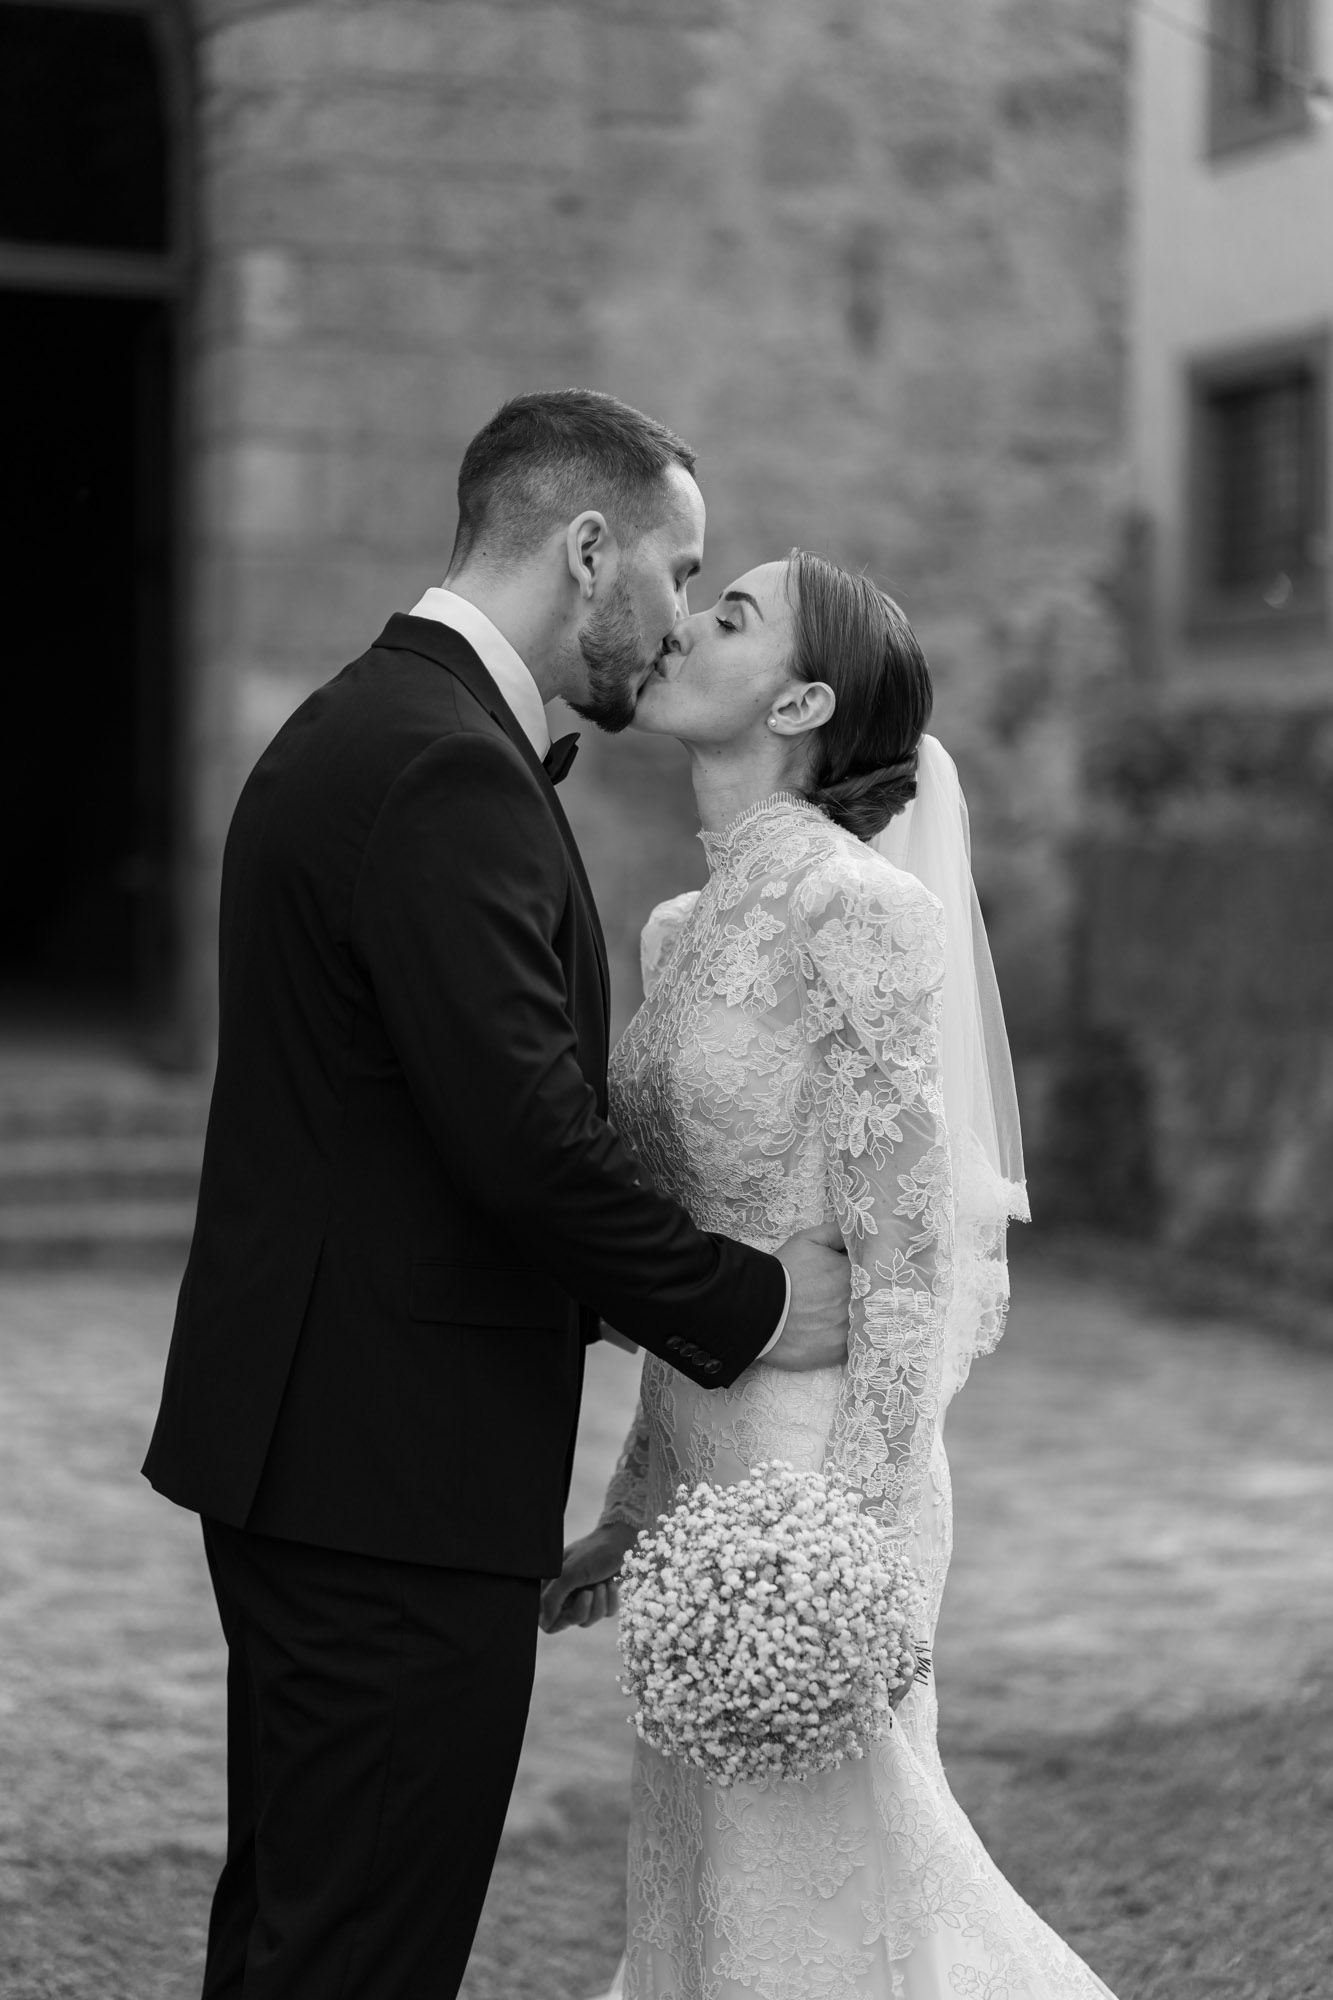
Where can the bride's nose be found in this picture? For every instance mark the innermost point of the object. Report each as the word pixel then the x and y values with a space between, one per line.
pixel 680 638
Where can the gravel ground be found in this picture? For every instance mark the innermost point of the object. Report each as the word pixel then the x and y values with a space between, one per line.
pixel 1142 1501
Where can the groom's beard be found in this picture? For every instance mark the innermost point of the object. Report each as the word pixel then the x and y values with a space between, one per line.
pixel 612 648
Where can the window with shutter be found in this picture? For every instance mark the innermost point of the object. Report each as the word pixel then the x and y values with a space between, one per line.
pixel 1259 450
pixel 1259 67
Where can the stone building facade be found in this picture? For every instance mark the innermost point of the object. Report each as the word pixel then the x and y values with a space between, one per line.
pixel 867 259
pixel 872 261
pixel 1197 1092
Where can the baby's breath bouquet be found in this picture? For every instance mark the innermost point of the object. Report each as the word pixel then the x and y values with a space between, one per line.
pixel 765 1627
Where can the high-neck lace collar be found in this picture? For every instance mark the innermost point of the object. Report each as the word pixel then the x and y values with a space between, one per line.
pixel 752 826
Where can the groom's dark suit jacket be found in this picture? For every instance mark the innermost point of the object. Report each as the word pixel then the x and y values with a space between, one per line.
pixel 411 1209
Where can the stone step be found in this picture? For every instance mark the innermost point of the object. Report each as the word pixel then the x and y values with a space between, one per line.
pixel 76 1233
pixel 49 1107
pixel 70 1166
pixel 99 1158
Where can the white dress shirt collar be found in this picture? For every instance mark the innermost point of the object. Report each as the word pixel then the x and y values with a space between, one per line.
pixel 498 657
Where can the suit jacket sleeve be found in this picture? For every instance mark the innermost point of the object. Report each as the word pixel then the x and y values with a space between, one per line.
pixel 455 914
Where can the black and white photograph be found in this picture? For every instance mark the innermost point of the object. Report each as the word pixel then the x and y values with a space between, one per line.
pixel 666 1000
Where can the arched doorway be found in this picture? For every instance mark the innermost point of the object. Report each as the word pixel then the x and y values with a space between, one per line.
pixel 92 272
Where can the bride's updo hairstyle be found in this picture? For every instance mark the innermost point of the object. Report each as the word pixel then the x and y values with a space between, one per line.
pixel 854 637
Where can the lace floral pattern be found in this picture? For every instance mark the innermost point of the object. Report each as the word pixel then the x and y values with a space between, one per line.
pixel 783 1070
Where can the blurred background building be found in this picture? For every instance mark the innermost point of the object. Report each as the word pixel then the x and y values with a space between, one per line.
pixel 1201 1077
pixel 1023 304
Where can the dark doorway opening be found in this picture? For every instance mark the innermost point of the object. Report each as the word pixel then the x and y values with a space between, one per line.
pixel 85 768
pixel 92 271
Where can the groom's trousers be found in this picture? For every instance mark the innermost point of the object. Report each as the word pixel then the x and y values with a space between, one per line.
pixel 375 1712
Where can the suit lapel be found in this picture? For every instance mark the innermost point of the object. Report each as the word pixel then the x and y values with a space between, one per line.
pixel 450 650
pixel 581 877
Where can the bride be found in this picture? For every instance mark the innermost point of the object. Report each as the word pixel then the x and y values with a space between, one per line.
pixel 821 1042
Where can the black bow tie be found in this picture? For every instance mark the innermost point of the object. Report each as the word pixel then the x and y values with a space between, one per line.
pixel 559 758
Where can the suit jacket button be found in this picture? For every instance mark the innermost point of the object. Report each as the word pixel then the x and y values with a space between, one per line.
pixel 712 1367
pixel 673 1340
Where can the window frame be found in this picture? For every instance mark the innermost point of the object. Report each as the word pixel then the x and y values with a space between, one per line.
pixel 1234 128
pixel 1210 610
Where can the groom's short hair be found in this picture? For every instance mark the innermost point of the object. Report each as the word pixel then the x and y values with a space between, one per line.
pixel 546 457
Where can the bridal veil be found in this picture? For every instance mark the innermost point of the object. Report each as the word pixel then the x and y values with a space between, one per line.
pixel 931 839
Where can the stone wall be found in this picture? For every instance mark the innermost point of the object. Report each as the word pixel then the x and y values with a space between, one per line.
pixel 1195 1095
pixel 867 258
pixel 1196 1099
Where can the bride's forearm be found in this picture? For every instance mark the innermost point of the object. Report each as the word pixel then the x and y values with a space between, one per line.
pixel 626 1498
pixel 613 1538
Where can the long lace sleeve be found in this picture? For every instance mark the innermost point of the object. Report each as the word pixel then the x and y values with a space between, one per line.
pixel 627 1494
pixel 870 954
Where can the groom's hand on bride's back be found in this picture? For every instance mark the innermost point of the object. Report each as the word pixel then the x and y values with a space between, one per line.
pixel 815 1335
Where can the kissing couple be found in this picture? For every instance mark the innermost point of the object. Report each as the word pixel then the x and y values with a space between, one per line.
pixel 421 1199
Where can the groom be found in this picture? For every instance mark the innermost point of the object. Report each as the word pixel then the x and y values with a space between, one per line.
pixel 412 1213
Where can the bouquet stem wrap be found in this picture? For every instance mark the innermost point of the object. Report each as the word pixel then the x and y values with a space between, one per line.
pixel 766 1627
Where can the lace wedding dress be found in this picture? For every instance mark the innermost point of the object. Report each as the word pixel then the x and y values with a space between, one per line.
pixel 783 1068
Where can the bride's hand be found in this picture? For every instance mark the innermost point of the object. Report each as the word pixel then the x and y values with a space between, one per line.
pixel 587 1587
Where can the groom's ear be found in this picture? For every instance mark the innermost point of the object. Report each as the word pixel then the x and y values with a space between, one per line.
pixel 806 705
pixel 589 545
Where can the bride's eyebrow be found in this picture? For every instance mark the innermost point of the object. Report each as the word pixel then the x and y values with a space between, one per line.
pixel 742 597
